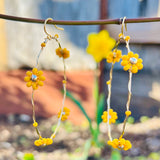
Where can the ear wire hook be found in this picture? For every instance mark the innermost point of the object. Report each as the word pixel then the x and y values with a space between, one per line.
pixel 45 22
pixel 123 25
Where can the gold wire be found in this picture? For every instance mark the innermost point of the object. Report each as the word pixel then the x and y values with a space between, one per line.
pixel 34 116
pixel 45 22
pixel 63 101
pixel 108 101
pixel 128 101
pixel 123 25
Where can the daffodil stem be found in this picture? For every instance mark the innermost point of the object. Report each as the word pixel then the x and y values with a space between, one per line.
pixel 108 101
pixel 128 101
pixel 96 22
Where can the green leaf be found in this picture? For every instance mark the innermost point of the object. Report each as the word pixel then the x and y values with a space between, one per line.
pixel 116 155
pixel 96 90
pixel 130 120
pixel 69 95
pixel 28 156
pixel 100 108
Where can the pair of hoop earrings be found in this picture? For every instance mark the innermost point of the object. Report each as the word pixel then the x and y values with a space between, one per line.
pixel 35 79
pixel 131 63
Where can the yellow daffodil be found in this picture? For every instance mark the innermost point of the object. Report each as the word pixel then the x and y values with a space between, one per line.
pixel 34 78
pixel 65 114
pixel 99 45
pixel 132 62
pixel 62 53
pixel 120 143
pixel 114 56
pixel 112 118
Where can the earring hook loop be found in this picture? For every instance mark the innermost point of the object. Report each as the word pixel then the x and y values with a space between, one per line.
pixel 45 30
pixel 123 25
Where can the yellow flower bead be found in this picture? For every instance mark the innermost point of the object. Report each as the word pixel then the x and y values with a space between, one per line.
pixel 120 144
pixel 34 78
pixel 132 62
pixel 114 56
pixel 112 116
pixel 65 114
pixel 62 53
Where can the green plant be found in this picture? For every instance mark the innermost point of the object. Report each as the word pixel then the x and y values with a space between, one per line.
pixel 144 118
pixel 100 107
pixel 116 155
pixel 130 120
pixel 28 156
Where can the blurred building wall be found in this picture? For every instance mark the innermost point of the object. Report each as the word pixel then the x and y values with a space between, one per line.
pixel 3 45
pixel 24 39
pixel 145 41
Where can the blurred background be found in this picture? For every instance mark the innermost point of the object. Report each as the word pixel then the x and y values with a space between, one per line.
pixel 20 44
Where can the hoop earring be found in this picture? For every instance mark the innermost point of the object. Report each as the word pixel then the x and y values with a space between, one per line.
pixel 131 63
pixel 35 79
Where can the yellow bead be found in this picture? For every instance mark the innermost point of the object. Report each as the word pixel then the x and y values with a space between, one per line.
pixel 29 84
pixel 34 71
pixel 49 141
pixel 126 67
pixel 35 124
pixel 27 79
pixel 120 35
pixel 42 78
pixel 108 82
pixel 123 63
pixel 130 54
pixel 28 73
pixel 136 56
pixel 40 83
pixel 56 36
pixel 134 69
pixel 39 73
pixel 64 81
pixel 140 66
pixel 127 38
pixel 128 113
pixel 34 86
pixel 43 44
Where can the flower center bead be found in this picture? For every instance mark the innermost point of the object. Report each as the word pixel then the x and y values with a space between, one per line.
pixel 133 60
pixel 63 113
pixel 114 54
pixel 34 78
